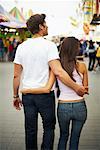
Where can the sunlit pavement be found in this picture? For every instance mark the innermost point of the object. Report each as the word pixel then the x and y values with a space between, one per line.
pixel 12 121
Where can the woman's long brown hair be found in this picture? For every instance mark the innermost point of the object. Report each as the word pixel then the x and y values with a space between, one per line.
pixel 69 49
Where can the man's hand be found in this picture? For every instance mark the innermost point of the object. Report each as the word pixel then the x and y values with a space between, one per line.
pixel 80 90
pixel 17 103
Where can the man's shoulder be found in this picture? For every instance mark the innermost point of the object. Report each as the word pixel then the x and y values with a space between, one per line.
pixel 26 42
pixel 49 41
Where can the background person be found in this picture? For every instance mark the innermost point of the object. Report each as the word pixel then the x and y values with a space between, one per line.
pixel 92 55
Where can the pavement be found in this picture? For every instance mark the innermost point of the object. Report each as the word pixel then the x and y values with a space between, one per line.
pixel 12 121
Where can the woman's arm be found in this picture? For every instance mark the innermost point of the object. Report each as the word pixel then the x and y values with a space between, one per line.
pixel 45 89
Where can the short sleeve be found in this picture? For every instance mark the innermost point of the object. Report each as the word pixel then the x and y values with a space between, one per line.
pixel 18 59
pixel 52 52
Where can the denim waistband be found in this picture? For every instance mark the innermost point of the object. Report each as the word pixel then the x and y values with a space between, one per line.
pixel 71 102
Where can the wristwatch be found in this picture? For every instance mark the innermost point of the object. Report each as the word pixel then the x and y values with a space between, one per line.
pixel 16 96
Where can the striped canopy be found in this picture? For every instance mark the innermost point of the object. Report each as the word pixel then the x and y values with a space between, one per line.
pixel 17 14
pixel 7 20
pixel 3 15
pixel 3 18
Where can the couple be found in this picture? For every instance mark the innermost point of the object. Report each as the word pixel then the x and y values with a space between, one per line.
pixel 39 61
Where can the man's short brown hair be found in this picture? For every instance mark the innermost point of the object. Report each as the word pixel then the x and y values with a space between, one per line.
pixel 34 21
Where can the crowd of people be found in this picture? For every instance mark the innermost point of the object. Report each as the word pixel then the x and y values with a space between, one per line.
pixel 88 49
pixel 91 50
pixel 8 49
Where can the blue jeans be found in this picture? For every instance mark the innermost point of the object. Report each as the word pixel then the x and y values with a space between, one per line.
pixel 45 105
pixel 75 113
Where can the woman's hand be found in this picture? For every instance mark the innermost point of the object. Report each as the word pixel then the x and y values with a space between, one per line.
pixel 25 91
pixel 40 90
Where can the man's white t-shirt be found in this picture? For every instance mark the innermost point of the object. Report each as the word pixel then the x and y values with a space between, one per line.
pixel 34 55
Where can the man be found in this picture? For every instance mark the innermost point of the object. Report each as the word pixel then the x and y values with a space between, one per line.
pixel 34 57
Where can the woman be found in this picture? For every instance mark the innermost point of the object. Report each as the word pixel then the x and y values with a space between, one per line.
pixel 71 107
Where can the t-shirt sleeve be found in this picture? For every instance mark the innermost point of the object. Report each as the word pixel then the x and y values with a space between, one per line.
pixel 52 52
pixel 18 59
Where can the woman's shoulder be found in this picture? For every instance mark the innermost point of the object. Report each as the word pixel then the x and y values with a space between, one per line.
pixel 81 63
pixel 81 66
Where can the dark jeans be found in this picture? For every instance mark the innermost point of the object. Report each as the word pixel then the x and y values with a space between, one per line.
pixel 75 113
pixel 92 57
pixel 45 105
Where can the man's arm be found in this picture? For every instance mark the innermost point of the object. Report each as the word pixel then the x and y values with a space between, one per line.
pixel 56 67
pixel 85 79
pixel 16 83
